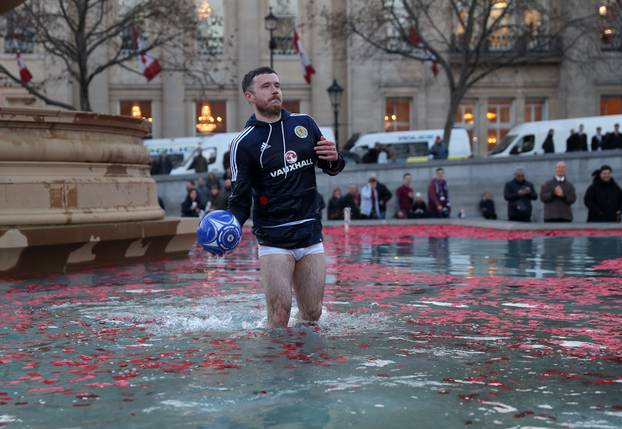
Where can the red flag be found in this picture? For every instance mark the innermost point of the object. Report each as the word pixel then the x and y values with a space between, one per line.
pixel 434 68
pixel 307 67
pixel 149 65
pixel 24 73
pixel 413 37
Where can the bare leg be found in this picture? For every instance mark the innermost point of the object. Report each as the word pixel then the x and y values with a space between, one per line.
pixel 277 278
pixel 309 280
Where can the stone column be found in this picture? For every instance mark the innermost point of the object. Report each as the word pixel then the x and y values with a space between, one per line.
pixel 173 108
pixel 252 46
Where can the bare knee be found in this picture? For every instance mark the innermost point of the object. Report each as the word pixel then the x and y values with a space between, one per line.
pixel 312 315
pixel 278 315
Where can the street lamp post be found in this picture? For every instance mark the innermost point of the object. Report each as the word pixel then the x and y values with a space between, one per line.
pixel 334 93
pixel 270 23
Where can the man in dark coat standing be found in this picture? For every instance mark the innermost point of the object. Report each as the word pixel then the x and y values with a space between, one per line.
pixel 519 193
pixel 598 140
pixel 603 197
pixel 558 194
pixel 548 146
pixel 582 139
pixel 573 143
pixel 613 140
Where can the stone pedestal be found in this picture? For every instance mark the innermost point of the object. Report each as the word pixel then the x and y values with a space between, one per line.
pixel 76 190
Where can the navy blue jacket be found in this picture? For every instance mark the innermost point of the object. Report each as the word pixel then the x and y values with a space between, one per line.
pixel 273 169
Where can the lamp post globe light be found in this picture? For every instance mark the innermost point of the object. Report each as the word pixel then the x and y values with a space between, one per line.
pixel 334 93
pixel 270 23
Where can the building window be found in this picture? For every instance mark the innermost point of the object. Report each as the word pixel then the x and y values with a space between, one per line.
pixel 286 12
pixel 499 39
pixel 536 109
pixel 128 8
pixel 292 106
pixel 536 30
pixel 610 25
pixel 211 117
pixel 211 29
pixel 499 116
pixel 465 117
pixel 19 35
pixel 611 105
pixel 397 114
pixel 138 109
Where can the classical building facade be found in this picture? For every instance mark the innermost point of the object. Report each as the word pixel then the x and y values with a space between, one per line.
pixel 381 92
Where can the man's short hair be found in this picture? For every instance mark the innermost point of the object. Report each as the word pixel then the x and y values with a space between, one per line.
pixel 439 169
pixel 406 174
pixel 247 80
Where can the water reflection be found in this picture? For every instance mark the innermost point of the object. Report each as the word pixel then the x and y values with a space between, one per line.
pixel 439 249
pixel 519 256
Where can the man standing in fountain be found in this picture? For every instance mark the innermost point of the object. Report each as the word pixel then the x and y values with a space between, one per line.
pixel 273 164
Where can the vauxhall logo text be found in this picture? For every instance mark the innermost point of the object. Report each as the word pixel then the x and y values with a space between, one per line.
pixel 293 167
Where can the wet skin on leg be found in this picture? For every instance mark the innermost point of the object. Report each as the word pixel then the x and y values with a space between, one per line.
pixel 309 281
pixel 277 273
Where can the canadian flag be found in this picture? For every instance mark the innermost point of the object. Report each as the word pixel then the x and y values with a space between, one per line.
pixel 24 73
pixel 149 65
pixel 307 67
pixel 421 51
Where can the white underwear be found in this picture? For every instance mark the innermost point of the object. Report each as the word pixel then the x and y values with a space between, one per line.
pixel 297 254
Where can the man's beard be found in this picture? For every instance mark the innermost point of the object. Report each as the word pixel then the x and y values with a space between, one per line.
pixel 268 109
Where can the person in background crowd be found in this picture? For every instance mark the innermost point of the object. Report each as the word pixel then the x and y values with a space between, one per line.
pixel 320 203
pixel 190 185
pixel 582 139
pixel 548 146
pixel 227 186
pixel 572 142
pixel 226 164
pixel 352 200
pixel 405 197
pixel 438 149
pixel 603 198
pixel 162 165
pixel 219 200
pixel 558 195
pixel 487 206
pixel 204 191
pixel 438 195
pixel 419 210
pixel 199 163
pixel 192 207
pixel 370 201
pixel 213 180
pixel 597 140
pixel 335 205
pixel 371 156
pixel 613 140
pixel 384 195
pixel 519 193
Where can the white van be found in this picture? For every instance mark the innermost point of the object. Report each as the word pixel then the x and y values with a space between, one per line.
pixel 414 146
pixel 527 138
pixel 182 150
pixel 214 148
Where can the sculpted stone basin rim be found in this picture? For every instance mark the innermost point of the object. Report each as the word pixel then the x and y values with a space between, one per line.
pixel 76 191
pixel 73 167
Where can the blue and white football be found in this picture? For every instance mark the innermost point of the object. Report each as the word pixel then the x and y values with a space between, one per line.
pixel 219 232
